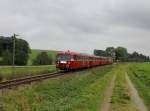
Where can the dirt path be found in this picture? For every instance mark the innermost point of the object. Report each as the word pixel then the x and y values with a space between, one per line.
pixel 137 101
pixel 107 99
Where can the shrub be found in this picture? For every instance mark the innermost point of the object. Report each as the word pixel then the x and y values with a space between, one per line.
pixel 42 59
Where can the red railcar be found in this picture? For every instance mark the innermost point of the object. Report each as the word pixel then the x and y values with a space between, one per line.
pixel 71 60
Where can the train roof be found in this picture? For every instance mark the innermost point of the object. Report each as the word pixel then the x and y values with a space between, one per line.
pixel 80 54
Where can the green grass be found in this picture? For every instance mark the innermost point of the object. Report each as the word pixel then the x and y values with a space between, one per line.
pixel 140 75
pixel 121 100
pixel 35 52
pixel 8 72
pixel 80 91
pixel 1 58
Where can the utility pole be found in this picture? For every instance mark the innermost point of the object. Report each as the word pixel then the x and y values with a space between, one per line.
pixel 14 46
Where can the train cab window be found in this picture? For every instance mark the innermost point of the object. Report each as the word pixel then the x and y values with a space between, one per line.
pixel 76 57
pixel 64 57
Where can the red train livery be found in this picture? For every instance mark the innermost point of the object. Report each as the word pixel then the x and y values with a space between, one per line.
pixel 71 60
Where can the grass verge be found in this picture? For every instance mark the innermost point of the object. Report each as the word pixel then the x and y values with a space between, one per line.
pixel 8 73
pixel 139 73
pixel 80 91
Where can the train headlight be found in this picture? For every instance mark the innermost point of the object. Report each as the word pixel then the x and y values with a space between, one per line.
pixel 63 62
pixel 68 63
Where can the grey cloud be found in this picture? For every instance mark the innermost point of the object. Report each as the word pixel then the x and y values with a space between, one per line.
pixel 79 25
pixel 132 13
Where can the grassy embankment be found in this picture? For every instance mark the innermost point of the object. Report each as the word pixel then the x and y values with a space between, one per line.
pixel 121 100
pixel 8 72
pixel 35 52
pixel 139 73
pixel 80 91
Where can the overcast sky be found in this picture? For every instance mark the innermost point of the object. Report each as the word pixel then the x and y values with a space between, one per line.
pixel 78 25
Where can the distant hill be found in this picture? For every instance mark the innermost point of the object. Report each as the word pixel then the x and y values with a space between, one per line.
pixel 35 52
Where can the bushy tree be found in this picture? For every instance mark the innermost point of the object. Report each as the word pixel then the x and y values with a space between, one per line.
pixel 6 43
pixel 111 52
pixel 100 52
pixel 42 59
pixel 22 50
pixel 121 53
pixel 22 58
pixel 7 58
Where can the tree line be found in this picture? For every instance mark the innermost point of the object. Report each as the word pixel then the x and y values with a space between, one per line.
pixel 22 51
pixel 121 54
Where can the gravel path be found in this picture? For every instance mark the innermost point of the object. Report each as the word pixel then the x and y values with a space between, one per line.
pixel 107 99
pixel 137 101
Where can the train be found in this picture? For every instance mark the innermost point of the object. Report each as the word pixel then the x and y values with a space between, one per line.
pixel 66 60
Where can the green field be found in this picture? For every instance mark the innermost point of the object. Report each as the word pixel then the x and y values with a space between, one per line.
pixel 8 72
pixel 35 52
pixel 140 76
pixel 82 90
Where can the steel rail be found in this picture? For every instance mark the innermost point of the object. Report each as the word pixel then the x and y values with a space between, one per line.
pixel 27 80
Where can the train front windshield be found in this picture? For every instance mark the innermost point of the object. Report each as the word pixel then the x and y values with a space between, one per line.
pixel 63 58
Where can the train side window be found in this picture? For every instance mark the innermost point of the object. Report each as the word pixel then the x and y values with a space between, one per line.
pixel 85 58
pixel 75 57
pixel 81 58
pixel 89 59
pixel 78 58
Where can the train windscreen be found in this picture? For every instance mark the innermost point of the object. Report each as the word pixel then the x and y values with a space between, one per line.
pixel 63 57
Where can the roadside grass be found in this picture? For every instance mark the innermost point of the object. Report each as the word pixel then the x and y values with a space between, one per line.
pixel 8 72
pixel 121 100
pixel 35 52
pixel 139 73
pixel 80 91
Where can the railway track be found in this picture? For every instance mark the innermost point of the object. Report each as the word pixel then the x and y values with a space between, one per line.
pixel 27 80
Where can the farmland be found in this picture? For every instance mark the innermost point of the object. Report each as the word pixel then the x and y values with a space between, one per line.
pixel 84 90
